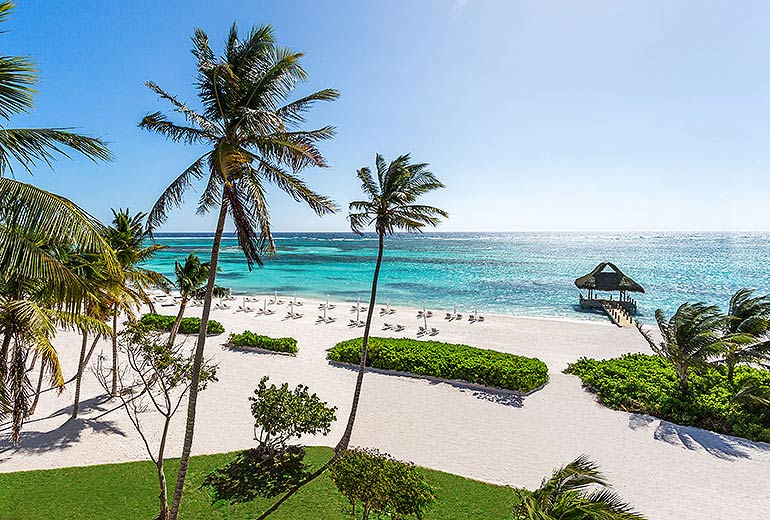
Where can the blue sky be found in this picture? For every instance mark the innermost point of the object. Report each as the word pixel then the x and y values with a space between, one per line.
pixel 538 115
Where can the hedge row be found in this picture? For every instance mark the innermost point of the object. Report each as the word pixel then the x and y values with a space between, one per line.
pixel 448 361
pixel 648 384
pixel 187 326
pixel 248 339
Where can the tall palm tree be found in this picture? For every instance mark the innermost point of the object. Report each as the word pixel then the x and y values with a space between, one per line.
pixel 191 277
pixel 565 496
pixel 748 324
pixel 391 205
pixel 127 236
pixel 692 337
pixel 253 137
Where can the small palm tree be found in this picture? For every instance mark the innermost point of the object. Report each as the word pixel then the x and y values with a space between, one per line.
pixel 253 138
pixel 191 277
pixel 566 495
pixel 391 205
pixel 746 329
pixel 691 338
pixel 127 236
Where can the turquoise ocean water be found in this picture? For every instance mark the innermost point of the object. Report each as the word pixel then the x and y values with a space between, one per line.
pixel 528 274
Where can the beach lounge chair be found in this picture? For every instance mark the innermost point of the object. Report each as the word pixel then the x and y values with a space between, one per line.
pixel 297 316
pixel 399 328
pixel 433 331
pixel 320 319
pixel 421 331
pixel 458 316
pixel 387 326
pixel 329 319
pixel 352 323
pixel 479 318
pixel 259 312
pixel 449 316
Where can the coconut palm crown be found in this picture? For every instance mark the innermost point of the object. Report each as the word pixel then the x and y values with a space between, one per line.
pixel 576 491
pixel 392 196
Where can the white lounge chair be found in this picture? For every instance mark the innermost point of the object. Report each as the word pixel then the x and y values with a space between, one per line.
pixel 433 332
pixel 387 326
pixel 399 328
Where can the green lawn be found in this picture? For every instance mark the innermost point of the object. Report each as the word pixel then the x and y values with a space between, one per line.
pixel 128 491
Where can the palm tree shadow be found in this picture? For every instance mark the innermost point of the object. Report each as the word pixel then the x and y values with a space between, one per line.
pixel 719 445
pixel 63 436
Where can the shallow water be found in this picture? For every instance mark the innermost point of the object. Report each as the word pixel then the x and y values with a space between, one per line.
pixel 513 273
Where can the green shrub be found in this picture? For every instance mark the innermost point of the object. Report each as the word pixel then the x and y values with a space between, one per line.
pixel 381 484
pixel 648 384
pixel 187 326
pixel 448 361
pixel 273 467
pixel 249 339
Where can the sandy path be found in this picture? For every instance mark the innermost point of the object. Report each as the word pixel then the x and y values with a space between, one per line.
pixel 666 471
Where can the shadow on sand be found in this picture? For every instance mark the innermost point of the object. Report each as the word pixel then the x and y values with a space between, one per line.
pixel 62 437
pixel 719 445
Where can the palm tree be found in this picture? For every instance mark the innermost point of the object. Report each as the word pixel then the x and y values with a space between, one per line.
pixel 191 277
pixel 127 236
pixel 253 137
pixel 747 324
pixel 37 292
pixel 691 338
pixel 565 495
pixel 390 206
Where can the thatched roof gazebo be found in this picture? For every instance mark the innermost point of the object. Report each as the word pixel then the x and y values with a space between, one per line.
pixel 612 280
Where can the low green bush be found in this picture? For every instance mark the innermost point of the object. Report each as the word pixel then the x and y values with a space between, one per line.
pixel 187 326
pixel 448 361
pixel 380 484
pixel 250 339
pixel 648 384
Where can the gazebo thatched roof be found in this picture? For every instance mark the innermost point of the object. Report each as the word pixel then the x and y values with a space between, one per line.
pixel 613 280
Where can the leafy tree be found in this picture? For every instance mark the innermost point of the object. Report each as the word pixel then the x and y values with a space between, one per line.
pixel 380 484
pixel 280 414
pixel 163 375
pixel 692 337
pixel 746 329
pixel 565 495
pixel 391 205
pixel 253 137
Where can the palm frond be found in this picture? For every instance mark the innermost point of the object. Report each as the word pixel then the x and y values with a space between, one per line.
pixel 28 146
pixel 173 195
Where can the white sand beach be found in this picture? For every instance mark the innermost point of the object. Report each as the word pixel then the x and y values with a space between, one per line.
pixel 666 471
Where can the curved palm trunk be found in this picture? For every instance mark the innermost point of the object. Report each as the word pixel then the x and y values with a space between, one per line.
pixel 731 372
pixel 345 440
pixel 79 379
pixel 164 513
pixel 114 389
pixel 4 352
pixel 178 321
pixel 196 368
pixel 37 389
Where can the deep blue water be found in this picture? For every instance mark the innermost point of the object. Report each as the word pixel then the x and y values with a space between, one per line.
pixel 513 273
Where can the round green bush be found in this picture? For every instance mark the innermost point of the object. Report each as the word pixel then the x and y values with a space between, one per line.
pixel 447 361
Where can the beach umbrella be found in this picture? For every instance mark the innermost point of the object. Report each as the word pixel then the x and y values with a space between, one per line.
pixel 424 316
pixel 244 302
pixel 454 310
pixel 358 314
pixel 327 302
pixel 325 312
pixel 291 307
pixel 264 308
